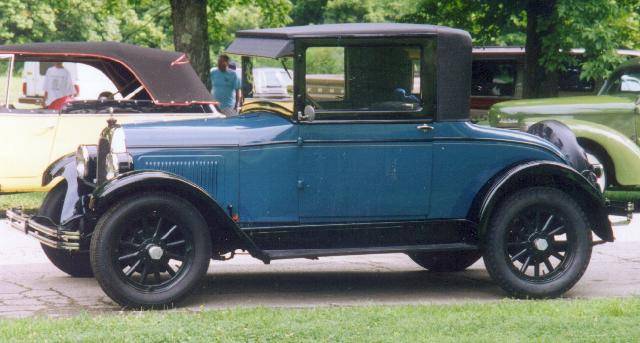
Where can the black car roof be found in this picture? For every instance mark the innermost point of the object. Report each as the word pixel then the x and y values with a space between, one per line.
pixel 278 42
pixel 453 84
pixel 167 76
pixel 347 30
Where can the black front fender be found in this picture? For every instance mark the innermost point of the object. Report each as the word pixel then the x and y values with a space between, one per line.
pixel 76 191
pixel 57 168
pixel 136 182
pixel 544 173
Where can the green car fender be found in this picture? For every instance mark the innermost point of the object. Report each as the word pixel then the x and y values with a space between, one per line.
pixel 623 152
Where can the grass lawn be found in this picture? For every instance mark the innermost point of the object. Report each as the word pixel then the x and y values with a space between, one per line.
pixel 29 201
pixel 505 321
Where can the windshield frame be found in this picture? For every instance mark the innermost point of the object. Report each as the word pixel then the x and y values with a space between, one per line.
pixel 249 81
pixel 12 59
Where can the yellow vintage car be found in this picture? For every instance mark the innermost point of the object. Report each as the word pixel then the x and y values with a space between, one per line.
pixel 151 84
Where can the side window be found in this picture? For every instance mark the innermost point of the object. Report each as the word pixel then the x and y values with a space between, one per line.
pixel 325 77
pixel 627 82
pixel 493 78
pixel 570 81
pixel 61 82
pixel 266 78
pixel 366 82
pixel 630 83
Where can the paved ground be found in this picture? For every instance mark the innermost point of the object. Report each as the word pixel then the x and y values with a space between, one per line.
pixel 30 285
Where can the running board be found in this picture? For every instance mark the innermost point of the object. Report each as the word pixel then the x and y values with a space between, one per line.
pixel 315 253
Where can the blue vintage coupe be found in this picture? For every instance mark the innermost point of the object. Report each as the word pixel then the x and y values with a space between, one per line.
pixel 372 152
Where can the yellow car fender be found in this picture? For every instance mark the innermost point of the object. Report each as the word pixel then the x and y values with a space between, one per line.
pixel 624 153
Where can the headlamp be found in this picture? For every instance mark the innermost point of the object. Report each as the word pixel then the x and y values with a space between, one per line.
pixel 86 156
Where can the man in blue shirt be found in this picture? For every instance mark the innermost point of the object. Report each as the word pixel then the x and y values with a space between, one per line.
pixel 226 87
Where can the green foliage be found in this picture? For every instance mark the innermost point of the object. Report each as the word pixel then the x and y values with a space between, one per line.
pixel 601 27
pixel 489 22
pixel 324 60
pixel 598 26
pixel 24 21
pixel 373 11
pixel 306 12
pixel 347 11
pixel 227 17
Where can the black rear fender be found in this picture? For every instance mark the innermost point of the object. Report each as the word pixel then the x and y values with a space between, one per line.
pixel 549 174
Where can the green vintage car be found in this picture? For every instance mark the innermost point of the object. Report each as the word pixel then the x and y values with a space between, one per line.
pixel 605 124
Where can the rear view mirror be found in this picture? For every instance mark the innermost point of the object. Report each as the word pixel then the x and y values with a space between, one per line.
pixel 309 113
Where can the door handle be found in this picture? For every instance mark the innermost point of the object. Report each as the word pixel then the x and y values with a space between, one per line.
pixel 424 127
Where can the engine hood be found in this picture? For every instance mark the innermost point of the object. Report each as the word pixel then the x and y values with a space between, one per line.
pixel 247 129
pixel 567 106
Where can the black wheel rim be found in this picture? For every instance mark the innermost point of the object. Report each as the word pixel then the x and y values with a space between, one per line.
pixel 153 252
pixel 540 244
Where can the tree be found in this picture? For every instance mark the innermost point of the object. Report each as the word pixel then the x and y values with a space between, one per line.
pixel 193 28
pixel 227 19
pixel 23 21
pixel 539 26
pixel 549 28
pixel 189 18
pixel 347 11
pixel 305 12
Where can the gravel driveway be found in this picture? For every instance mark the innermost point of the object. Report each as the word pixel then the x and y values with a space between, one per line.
pixel 30 285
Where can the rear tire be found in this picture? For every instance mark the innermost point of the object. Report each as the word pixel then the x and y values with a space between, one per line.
pixel 74 263
pixel 538 243
pixel 150 250
pixel 446 262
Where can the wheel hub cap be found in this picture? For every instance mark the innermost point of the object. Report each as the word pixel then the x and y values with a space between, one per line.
pixel 541 244
pixel 155 252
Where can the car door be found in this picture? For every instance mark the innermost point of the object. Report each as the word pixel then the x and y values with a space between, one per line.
pixel 366 156
pixel 25 147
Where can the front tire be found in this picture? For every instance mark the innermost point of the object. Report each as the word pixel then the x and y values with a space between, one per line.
pixel 74 263
pixel 150 250
pixel 538 245
pixel 446 262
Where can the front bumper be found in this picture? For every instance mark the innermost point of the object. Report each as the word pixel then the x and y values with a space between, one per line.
pixel 44 230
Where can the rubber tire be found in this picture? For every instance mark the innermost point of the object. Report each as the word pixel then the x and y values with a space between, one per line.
pixel 446 262
pixel 75 264
pixel 494 255
pixel 125 294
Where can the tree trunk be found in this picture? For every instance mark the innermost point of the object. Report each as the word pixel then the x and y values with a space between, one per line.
pixel 539 82
pixel 190 34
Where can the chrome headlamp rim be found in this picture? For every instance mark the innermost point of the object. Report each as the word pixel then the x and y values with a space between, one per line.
pixel 86 156
pixel 118 143
pixel 118 163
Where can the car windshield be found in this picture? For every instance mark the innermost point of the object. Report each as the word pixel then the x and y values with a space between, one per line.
pixel 626 82
pixel 268 79
pixel 40 85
